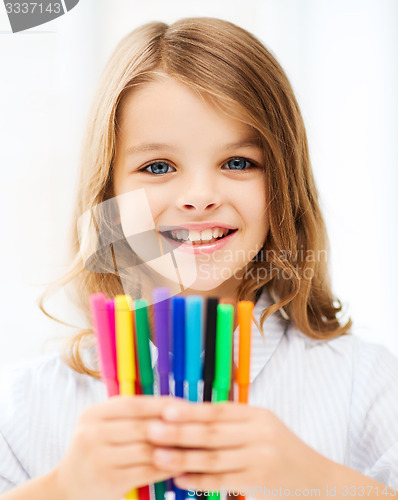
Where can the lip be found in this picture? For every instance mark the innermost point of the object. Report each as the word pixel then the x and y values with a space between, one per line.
pixel 198 226
pixel 202 249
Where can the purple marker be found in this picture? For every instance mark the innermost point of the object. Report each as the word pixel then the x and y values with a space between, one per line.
pixel 161 318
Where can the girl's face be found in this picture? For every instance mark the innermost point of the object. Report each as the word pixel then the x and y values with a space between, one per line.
pixel 202 173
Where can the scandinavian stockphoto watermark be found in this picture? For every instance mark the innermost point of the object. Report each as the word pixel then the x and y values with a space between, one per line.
pixel 260 491
pixel 119 236
pixel 298 264
pixel 328 491
pixel 24 15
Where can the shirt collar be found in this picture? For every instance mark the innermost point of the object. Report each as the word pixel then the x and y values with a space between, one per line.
pixel 262 348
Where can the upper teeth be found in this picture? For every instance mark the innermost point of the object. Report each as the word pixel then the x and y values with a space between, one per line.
pixel 205 235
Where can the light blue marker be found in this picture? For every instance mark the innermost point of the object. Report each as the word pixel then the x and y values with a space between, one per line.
pixel 193 343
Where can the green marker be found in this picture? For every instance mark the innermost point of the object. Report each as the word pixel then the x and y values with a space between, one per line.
pixel 224 336
pixel 223 368
pixel 144 353
pixel 145 366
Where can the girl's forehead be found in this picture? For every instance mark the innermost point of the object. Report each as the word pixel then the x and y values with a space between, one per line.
pixel 168 102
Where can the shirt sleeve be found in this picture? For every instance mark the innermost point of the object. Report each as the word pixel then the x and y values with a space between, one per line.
pixel 374 414
pixel 12 472
pixel 40 402
pixel 13 433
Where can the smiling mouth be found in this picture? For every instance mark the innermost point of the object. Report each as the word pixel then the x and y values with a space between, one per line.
pixel 196 238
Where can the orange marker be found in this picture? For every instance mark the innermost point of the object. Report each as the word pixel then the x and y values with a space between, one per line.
pixel 245 310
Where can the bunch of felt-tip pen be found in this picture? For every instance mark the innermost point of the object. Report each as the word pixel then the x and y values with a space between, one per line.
pixel 194 340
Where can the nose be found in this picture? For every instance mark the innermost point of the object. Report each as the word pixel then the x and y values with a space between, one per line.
pixel 199 194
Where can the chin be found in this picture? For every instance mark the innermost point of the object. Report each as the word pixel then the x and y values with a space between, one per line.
pixel 205 285
pixel 190 277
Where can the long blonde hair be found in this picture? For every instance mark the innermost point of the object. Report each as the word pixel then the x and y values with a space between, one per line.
pixel 231 68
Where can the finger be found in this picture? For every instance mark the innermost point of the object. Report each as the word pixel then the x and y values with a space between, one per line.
pixel 126 431
pixel 210 461
pixel 179 411
pixel 140 476
pixel 199 435
pixel 130 455
pixel 128 407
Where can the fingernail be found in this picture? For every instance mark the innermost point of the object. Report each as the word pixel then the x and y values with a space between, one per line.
pixel 163 456
pixel 182 481
pixel 156 430
pixel 171 413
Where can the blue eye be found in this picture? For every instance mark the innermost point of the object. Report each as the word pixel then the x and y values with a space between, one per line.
pixel 162 167
pixel 158 167
pixel 238 163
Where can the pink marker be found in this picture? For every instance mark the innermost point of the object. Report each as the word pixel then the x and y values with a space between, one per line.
pixel 103 317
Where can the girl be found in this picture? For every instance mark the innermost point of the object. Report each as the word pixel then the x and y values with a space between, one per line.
pixel 195 136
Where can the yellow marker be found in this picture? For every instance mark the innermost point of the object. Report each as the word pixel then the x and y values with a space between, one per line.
pixel 126 373
pixel 126 370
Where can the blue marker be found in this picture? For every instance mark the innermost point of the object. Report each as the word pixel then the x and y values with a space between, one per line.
pixel 193 343
pixel 178 336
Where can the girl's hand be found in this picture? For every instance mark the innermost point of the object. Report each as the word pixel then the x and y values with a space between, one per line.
pixel 235 447
pixel 109 454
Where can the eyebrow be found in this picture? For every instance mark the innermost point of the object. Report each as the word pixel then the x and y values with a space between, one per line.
pixel 156 146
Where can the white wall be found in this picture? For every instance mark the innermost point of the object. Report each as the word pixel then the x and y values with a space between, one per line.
pixel 341 58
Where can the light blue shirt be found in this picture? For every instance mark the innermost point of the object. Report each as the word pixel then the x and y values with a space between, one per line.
pixel 339 396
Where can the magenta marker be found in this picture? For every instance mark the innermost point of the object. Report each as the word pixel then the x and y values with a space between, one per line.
pixel 105 341
pixel 110 309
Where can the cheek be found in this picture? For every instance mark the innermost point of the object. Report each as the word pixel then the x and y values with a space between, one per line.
pixel 159 201
pixel 156 197
pixel 254 208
